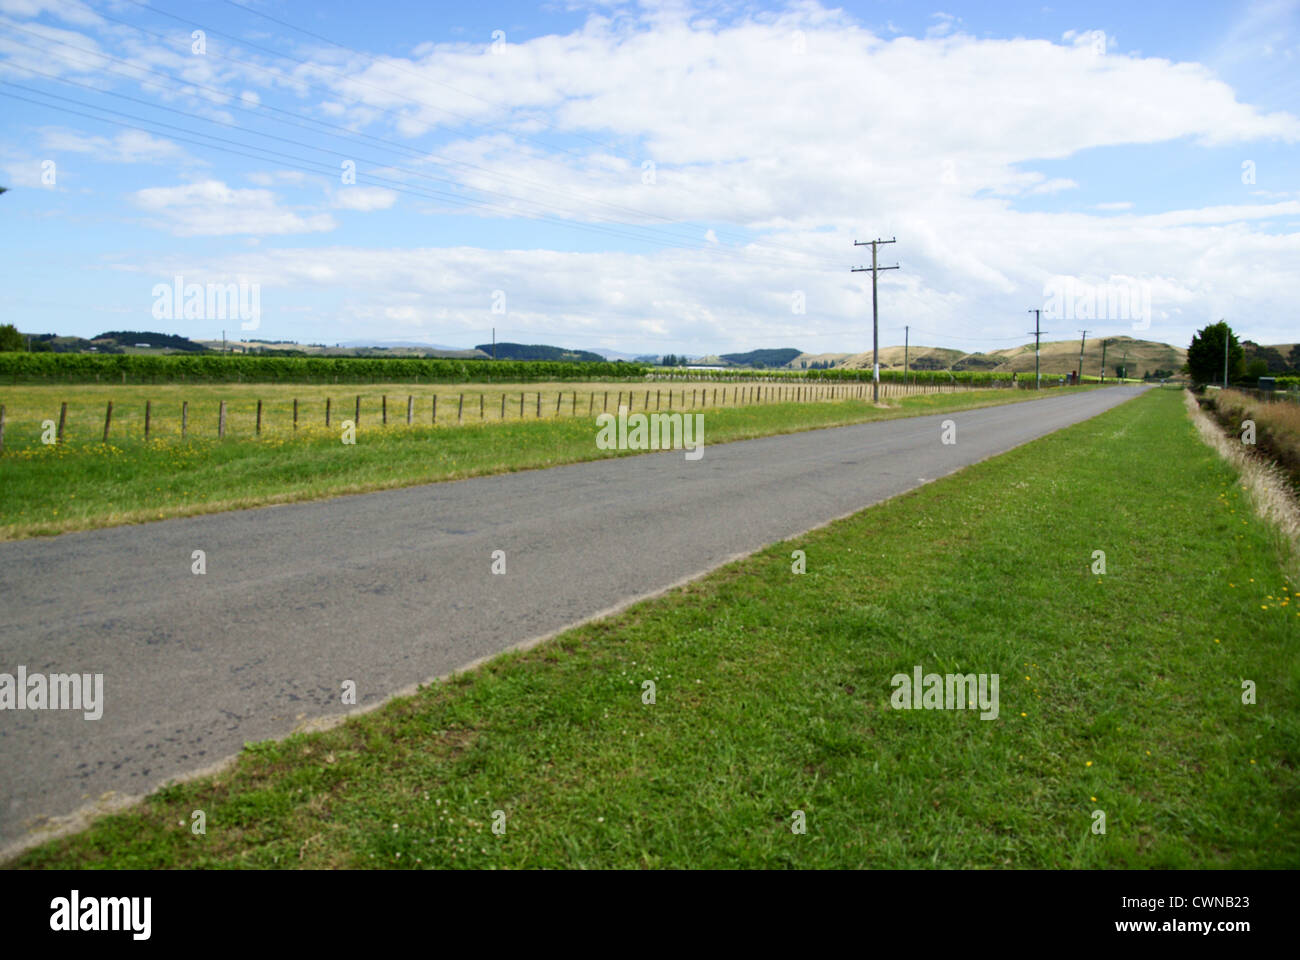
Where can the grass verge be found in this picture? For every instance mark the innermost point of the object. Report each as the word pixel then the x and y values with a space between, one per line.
pixel 1277 426
pixel 56 488
pixel 1120 693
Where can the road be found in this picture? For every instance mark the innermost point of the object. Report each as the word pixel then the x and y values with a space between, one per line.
pixel 393 588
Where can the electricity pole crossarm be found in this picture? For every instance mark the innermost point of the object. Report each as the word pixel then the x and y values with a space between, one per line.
pixel 875 269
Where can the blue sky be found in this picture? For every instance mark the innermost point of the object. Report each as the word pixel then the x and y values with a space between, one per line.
pixel 651 177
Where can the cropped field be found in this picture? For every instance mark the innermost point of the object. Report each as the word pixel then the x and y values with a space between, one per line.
pixel 85 482
pixel 1121 693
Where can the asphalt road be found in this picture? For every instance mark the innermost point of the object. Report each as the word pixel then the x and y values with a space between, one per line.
pixel 394 588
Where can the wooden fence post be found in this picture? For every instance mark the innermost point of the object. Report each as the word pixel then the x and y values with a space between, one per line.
pixel 559 396
pixel 148 408
pixel 221 421
pixel 295 413
pixel 327 411
pixel 503 404
pixel 63 416
pixel 460 409
pixel 606 410
pixel 356 420
pixel 480 405
pixel 539 404
pixel 435 409
pixel 410 409
pixel 108 419
pixel 259 418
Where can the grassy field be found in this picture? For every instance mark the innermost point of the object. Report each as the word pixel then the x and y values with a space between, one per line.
pixel 1120 692
pixel 85 483
pixel 28 407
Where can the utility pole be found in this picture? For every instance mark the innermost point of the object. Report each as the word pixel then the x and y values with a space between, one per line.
pixel 1082 341
pixel 1038 333
pixel 1103 360
pixel 875 316
pixel 906 331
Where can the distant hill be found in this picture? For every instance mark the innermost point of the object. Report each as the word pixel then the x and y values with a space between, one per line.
pixel 1056 358
pixel 539 351
pixel 53 343
pixel 156 341
pixel 762 358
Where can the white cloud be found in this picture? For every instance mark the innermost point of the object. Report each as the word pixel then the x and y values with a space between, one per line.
pixel 129 146
pixel 70 11
pixel 210 208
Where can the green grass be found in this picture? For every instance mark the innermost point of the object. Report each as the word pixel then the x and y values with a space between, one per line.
pixel 773 696
pixel 85 483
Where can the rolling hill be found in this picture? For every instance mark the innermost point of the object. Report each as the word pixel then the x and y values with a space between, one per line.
pixel 1056 357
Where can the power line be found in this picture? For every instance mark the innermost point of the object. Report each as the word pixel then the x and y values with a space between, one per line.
pixel 348 79
pixel 299 163
pixel 513 197
pixel 271 136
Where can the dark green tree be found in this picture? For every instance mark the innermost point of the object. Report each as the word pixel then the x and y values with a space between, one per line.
pixel 1205 355
pixel 11 339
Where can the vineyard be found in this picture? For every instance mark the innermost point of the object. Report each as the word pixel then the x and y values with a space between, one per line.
pixel 217 368
pixel 17 367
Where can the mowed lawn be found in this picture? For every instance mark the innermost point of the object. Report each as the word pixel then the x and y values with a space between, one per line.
pixel 86 483
pixel 1119 693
